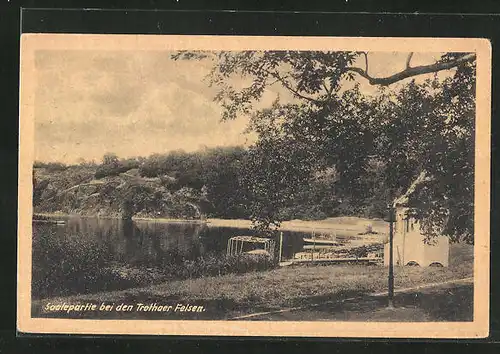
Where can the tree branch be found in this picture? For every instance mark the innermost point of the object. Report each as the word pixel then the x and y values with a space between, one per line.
pixel 421 178
pixel 328 90
pixel 366 62
pixel 413 71
pixel 408 60
pixel 287 85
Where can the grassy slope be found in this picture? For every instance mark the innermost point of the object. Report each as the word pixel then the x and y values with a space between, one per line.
pixel 233 295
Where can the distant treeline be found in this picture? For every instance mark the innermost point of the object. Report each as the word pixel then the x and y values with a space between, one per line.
pixel 219 180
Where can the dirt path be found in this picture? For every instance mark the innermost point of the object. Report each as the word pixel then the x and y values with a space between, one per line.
pixel 445 301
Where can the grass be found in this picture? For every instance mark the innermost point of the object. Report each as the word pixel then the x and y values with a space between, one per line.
pixel 232 295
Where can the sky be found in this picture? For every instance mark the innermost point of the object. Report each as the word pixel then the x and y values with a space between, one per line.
pixel 88 103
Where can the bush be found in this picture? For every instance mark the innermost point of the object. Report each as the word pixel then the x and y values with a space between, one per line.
pixel 239 264
pixel 110 170
pixel 176 266
pixel 112 166
pixel 71 265
pixel 50 166
pixel 302 212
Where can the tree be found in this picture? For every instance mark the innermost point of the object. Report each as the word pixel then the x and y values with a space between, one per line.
pixel 446 63
pixel 311 76
pixel 418 128
pixel 222 177
pixel 110 159
pixel 278 165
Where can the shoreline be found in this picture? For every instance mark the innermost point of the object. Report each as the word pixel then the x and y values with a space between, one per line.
pixel 350 224
pixel 298 286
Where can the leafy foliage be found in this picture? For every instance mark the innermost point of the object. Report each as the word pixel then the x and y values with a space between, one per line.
pixel 76 264
pixel 113 166
pixel 376 144
pixel 177 184
pixel 328 149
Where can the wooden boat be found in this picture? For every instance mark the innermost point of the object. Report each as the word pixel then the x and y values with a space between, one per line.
pixel 56 222
pixel 318 246
pixel 318 241
pixel 259 252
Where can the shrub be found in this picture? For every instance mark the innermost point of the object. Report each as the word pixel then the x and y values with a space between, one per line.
pixel 176 266
pixel 50 166
pixel 303 212
pixel 110 170
pixel 71 265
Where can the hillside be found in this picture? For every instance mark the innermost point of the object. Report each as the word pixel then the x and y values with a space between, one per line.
pixel 224 183
pixel 76 190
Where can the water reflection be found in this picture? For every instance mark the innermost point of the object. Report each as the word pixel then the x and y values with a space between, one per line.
pixel 147 241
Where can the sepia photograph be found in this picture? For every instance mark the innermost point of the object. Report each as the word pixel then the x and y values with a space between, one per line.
pixel 254 186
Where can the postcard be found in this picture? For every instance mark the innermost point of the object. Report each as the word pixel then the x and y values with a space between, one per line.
pixel 254 186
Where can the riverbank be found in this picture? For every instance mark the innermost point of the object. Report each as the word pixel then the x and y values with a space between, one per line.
pixel 354 224
pixel 229 296
pixel 347 224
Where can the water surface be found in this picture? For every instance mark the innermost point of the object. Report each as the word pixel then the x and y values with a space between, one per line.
pixel 135 241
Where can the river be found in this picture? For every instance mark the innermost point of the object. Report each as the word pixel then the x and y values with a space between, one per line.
pixel 146 240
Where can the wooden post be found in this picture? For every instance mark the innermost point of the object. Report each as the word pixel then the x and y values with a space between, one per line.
pixel 281 246
pixel 314 246
pixel 314 249
pixel 390 294
pixel 404 241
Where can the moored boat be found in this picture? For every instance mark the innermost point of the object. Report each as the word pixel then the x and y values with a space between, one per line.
pixel 56 222
pixel 319 241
